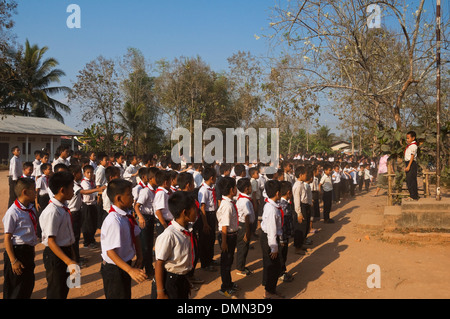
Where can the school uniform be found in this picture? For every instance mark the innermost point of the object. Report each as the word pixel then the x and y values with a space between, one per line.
pixel 21 223
pixel 56 221
pixel 15 171
pixel 36 169
pixel 161 202
pixel 136 189
pixel 43 195
pixel 327 195
pixel 60 160
pixel 75 205
pixel 129 172
pixel 315 214
pixel 175 246
pixel 100 178
pixel 301 197
pixel 227 215
pixel 121 168
pixel 207 195
pixel 271 227
pixel 118 233
pixel 145 199
pixel 288 230
pixel 93 164
pixel 244 207
pixel 411 175
pixel 367 179
pixel 89 213
pixel 336 179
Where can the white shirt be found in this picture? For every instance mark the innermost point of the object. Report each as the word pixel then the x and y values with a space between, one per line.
pixel 36 169
pixel 198 179
pixel 336 177
pixel 122 170
pixel 75 203
pixel 100 178
pixel 60 160
pixel 42 185
pixel 56 221
pixel 271 224
pixel 89 199
pixel 136 190
pixel 128 174
pixel 93 164
pixel 227 215
pixel 15 168
pixel 326 183
pixel 205 196
pixel 174 247
pixel 116 235
pixel 18 223
pixel 411 150
pixel 161 202
pixel 297 192
pixel 244 205
pixel 145 199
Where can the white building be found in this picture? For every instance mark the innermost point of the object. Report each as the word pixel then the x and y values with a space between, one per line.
pixel 31 134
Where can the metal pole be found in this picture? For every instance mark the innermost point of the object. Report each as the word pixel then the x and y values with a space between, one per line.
pixel 438 99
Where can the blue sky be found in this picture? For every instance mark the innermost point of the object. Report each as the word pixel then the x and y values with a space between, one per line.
pixel 212 29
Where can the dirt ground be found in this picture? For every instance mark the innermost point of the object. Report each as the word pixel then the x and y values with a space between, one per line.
pixel 335 268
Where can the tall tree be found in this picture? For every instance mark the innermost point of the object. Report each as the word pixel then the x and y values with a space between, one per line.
pixel 98 93
pixel 32 77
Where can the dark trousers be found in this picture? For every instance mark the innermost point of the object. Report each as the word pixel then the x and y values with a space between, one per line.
pixel 411 180
pixel 77 221
pixel 226 261
pixel 367 184
pixel 12 194
pixel 146 236
pixel 242 248
pixel 19 286
pixel 206 241
pixel 352 188
pixel 327 201
pixel 159 228
pixel 43 202
pixel 305 226
pixel 271 267
pixel 196 257
pixel 56 273
pixel 316 206
pixel 175 286
pixel 116 282
pixel 337 191
pixel 90 219
pixel 283 255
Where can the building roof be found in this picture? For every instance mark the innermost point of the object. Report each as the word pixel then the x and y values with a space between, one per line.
pixel 10 124
pixel 340 142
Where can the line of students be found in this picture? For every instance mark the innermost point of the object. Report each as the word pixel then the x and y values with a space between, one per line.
pixel 166 204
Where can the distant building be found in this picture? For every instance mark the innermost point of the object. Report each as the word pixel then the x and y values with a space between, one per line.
pixel 342 147
pixel 31 134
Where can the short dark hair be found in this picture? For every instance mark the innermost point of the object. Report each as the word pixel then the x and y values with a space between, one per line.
pixel 226 184
pixel 412 134
pixel 27 165
pixel 243 183
pixel 24 183
pixel 239 169
pixel 117 187
pixel 161 177
pixel 45 166
pixel 180 201
pixel 60 180
pixel 208 172
pixel 14 148
pixel 285 187
pixel 59 167
pixel 185 178
pixel 252 170
pixel 300 170
pixel 111 171
pixel 152 172
pixel 224 167
pixel 37 152
pixel 143 171
pixel 86 167
pixel 75 169
pixel 272 187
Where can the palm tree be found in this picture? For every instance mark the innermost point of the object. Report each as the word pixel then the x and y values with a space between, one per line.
pixel 130 117
pixel 323 139
pixel 32 90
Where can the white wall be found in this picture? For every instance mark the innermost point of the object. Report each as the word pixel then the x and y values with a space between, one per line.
pixel 37 142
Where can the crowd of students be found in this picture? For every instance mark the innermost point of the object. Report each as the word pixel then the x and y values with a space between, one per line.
pixel 158 220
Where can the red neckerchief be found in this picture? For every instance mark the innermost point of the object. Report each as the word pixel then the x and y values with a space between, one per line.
pixel 413 143
pixel 213 190
pixel 66 209
pixel 173 188
pixel 90 182
pixel 132 222
pixel 30 212
pixel 142 184
pixel 281 211
pixel 151 189
pixel 193 243
pixel 247 197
